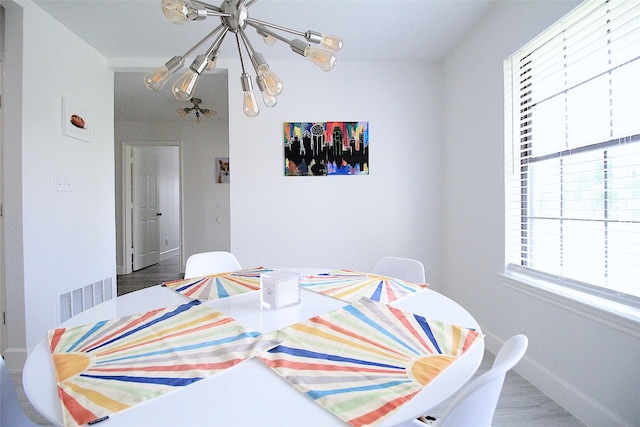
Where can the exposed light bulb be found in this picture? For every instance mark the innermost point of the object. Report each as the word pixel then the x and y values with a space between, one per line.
pixel 182 112
pixel 268 99
pixel 268 39
pixel 211 63
pixel 333 43
pixel 249 103
pixel 322 58
pixel 271 81
pixel 183 87
pixel 179 11
pixel 156 79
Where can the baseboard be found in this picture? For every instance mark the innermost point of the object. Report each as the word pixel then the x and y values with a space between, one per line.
pixel 15 358
pixel 120 269
pixel 585 409
pixel 169 254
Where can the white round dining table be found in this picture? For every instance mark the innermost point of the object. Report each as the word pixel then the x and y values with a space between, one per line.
pixel 250 393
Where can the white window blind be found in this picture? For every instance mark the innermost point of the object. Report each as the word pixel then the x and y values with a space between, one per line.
pixel 572 152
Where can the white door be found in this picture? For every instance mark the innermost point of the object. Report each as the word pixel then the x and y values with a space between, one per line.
pixel 144 191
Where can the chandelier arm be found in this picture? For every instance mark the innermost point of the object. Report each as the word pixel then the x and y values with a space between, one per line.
pixel 240 54
pixel 248 3
pixel 213 50
pixel 204 39
pixel 215 13
pixel 262 28
pixel 252 21
pixel 249 47
pixel 207 6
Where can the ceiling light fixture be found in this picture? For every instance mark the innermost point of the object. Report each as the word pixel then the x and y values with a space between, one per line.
pixel 234 18
pixel 199 111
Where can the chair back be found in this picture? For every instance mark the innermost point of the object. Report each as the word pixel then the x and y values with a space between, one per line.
pixel 410 270
pixel 11 413
pixel 207 263
pixel 475 404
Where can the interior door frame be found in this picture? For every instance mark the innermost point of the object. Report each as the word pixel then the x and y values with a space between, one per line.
pixel 127 204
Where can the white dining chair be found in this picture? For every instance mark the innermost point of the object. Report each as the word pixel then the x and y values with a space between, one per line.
pixel 207 263
pixel 475 404
pixel 407 269
pixel 11 413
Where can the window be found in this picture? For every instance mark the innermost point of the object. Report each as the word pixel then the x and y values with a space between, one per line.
pixel 572 152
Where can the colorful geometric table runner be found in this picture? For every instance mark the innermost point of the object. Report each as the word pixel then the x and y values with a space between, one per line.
pixel 350 286
pixel 116 364
pixel 363 361
pixel 220 285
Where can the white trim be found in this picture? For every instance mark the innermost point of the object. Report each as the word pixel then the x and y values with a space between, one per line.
pixel 15 358
pixel 618 316
pixel 169 254
pixel 126 197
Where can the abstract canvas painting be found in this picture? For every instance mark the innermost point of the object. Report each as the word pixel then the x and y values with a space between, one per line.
pixel 326 148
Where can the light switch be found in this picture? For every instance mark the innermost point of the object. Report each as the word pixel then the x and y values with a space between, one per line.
pixel 63 183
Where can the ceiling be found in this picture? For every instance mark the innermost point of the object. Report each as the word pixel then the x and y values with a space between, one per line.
pixel 372 30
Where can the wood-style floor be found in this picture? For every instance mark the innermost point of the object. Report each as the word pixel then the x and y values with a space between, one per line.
pixel 168 269
pixel 521 404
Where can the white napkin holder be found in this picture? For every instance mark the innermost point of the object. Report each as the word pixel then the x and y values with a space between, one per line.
pixel 279 289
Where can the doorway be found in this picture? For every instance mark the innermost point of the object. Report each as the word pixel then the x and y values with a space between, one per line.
pixel 149 118
pixel 151 204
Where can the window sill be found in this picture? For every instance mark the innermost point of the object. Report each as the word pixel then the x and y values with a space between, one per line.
pixel 618 316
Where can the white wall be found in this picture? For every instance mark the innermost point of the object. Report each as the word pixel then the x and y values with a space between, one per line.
pixel 340 221
pixel 66 239
pixel 582 358
pixel 203 201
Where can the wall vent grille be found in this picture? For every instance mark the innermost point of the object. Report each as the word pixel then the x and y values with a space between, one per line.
pixel 74 301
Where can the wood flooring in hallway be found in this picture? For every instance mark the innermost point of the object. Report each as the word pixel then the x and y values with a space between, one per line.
pixel 165 270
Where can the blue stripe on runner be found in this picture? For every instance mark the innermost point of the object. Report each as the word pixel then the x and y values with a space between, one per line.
pixel 222 292
pixel 363 317
pixel 87 335
pixel 317 394
pixel 176 382
pixel 427 330
pixel 180 309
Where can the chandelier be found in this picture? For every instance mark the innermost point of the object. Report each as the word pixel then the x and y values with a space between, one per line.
pixel 234 19
pixel 196 108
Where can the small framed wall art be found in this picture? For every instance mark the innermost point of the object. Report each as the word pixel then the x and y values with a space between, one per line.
pixel 76 120
pixel 223 174
pixel 326 148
